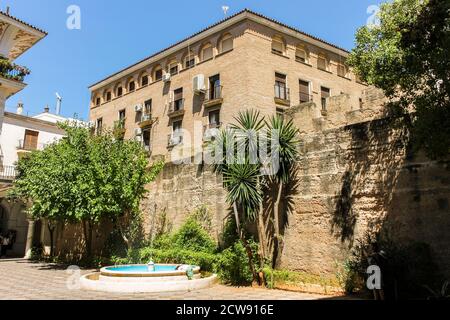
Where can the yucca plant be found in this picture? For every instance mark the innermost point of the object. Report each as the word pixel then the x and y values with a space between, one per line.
pixel 282 135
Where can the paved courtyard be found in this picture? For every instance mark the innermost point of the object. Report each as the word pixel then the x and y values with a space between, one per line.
pixel 24 280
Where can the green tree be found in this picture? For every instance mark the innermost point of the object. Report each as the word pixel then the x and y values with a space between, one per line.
pixel 406 55
pixel 87 179
pixel 283 136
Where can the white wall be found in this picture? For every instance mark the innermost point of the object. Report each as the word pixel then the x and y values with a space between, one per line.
pixel 14 130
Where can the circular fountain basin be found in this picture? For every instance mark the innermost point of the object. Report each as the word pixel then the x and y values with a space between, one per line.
pixel 139 279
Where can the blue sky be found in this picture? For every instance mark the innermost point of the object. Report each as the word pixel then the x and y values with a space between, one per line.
pixel 116 34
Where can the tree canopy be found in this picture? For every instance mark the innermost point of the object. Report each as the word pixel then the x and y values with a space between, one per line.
pixel 407 56
pixel 85 178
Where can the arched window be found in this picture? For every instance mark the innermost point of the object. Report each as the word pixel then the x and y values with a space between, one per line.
pixel 226 43
pixel 131 86
pixel 206 52
pixel 97 101
pixel 342 70
pixel 189 60
pixel 301 54
pixel 108 96
pixel 278 45
pixel 157 73
pixel 322 62
pixel 119 91
pixel 144 80
pixel 172 67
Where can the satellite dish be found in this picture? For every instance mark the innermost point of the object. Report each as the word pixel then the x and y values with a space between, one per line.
pixel 225 9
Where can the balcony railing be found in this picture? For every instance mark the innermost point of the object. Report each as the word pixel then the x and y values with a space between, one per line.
pixel 27 146
pixel 176 108
pixel 210 131
pixel 12 71
pixel 282 94
pixel 146 120
pixel 8 173
pixel 174 139
pixel 214 96
pixel 305 97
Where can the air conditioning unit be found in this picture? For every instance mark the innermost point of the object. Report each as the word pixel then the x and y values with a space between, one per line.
pixel 138 108
pixel 166 77
pixel 199 84
pixel 176 140
pixel 137 132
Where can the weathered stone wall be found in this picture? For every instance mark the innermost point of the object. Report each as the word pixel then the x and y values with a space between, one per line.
pixel 356 176
pixel 180 190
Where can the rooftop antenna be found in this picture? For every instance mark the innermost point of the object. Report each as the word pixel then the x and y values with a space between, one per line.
pixel 225 10
pixel 58 103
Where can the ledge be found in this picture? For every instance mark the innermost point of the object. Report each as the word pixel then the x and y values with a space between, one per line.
pixel 224 53
pixel 286 103
pixel 280 55
pixel 304 63
pixel 174 114
pixel 343 77
pixel 202 62
pixel 212 103
pixel 325 71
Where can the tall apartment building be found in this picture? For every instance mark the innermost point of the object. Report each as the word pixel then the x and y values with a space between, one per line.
pixel 247 61
pixel 16 37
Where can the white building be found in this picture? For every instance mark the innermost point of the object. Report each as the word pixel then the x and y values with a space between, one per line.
pixel 16 37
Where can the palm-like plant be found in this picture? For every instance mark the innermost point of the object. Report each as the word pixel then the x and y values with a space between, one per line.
pixel 238 148
pixel 284 148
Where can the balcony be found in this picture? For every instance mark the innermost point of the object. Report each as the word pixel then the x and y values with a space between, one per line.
pixel 305 97
pixel 213 96
pixel 282 95
pixel 119 128
pixel 29 146
pixel 12 71
pixel 210 131
pixel 146 120
pixel 176 108
pixel 8 173
pixel 174 140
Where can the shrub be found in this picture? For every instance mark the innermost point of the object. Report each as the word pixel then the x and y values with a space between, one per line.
pixel 192 236
pixel 232 264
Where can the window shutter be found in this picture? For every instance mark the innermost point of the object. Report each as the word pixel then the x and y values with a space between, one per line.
pixel 178 94
pixel 325 92
pixel 304 87
pixel 227 44
pixel 280 77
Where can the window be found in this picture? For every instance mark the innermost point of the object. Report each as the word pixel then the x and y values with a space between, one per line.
pixel 325 94
pixel 131 86
pixel 177 133
pixel 122 119
pixel 172 68
pixel 214 119
pixel 342 70
pixel 177 127
pixel 322 62
pixel 148 106
pixel 157 73
pixel 361 104
pixel 304 91
pixel 144 81
pixel 226 43
pixel 178 99
pixel 99 126
pixel 30 141
pixel 108 96
pixel 97 101
pixel 215 87
pixel 189 61
pixel 301 55
pixel 281 91
pixel 119 91
pixel 278 45
pixel 206 52
pixel 280 113
pixel 146 136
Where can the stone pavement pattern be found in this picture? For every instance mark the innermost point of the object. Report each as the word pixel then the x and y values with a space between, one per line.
pixel 24 280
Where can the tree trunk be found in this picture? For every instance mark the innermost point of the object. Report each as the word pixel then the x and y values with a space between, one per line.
pixel 261 235
pixel 87 229
pixel 276 222
pixel 51 230
pixel 245 243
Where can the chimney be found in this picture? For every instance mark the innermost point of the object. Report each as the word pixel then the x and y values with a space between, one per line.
pixel 20 108
pixel 7 10
pixel 46 109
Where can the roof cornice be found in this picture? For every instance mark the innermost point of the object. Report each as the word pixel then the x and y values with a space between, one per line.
pixel 245 14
